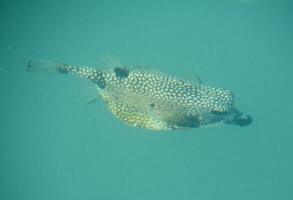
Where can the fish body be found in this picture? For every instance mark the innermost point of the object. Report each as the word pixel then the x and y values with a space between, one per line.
pixel 154 100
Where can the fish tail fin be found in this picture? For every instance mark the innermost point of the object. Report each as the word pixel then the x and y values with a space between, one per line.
pixel 88 73
pixel 47 66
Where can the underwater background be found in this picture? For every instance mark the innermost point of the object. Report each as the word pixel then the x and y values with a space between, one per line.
pixel 53 145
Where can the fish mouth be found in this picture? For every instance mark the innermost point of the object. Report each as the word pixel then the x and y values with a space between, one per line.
pixel 240 119
pixel 243 120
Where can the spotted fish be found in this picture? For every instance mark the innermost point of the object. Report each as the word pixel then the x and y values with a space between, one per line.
pixel 154 100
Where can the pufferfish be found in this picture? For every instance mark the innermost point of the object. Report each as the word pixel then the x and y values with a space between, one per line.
pixel 153 100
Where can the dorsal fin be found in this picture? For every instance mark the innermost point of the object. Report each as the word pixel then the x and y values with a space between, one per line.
pixel 109 61
pixel 196 79
pixel 193 78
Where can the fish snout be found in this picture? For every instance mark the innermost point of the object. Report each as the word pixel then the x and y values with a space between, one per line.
pixel 243 120
pixel 240 119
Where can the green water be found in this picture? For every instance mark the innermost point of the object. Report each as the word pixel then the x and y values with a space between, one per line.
pixel 55 146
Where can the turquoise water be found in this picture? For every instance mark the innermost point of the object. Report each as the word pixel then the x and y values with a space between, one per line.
pixel 53 145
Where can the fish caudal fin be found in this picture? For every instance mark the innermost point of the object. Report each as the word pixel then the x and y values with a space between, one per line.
pixel 47 66
pixel 88 73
